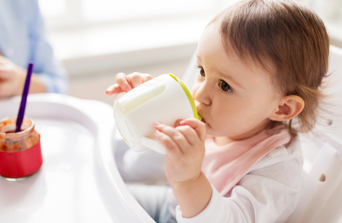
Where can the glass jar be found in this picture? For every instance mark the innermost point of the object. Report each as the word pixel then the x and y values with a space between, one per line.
pixel 20 152
pixel 11 141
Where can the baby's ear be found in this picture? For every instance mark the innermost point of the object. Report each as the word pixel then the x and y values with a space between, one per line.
pixel 288 108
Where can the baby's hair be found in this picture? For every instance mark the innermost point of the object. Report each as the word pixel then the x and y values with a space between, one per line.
pixel 290 36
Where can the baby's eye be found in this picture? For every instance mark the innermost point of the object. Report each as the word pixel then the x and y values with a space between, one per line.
pixel 224 86
pixel 201 73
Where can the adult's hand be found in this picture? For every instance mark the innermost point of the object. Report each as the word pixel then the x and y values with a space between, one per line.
pixel 12 78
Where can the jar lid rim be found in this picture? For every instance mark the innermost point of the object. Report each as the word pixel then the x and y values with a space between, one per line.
pixel 21 132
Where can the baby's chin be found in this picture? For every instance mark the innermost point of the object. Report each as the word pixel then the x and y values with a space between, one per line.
pixel 212 131
pixel 206 124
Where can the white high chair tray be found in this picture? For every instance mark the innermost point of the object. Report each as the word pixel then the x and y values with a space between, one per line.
pixel 73 131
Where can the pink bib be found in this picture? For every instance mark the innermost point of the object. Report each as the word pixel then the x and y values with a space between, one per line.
pixel 224 166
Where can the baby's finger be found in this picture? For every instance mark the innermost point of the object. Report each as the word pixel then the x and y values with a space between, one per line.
pixel 146 77
pixel 114 89
pixel 172 150
pixel 189 133
pixel 176 136
pixel 136 79
pixel 123 82
pixel 197 125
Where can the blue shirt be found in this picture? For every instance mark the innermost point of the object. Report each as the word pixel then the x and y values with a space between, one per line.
pixel 23 39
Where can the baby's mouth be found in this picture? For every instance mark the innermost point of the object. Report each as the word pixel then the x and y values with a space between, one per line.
pixel 202 120
pixel 198 112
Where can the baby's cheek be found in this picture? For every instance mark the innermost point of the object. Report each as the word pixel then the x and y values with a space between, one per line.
pixel 194 89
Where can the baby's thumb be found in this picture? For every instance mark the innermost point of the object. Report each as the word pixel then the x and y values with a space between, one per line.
pixel 197 125
pixel 114 89
pixel 177 123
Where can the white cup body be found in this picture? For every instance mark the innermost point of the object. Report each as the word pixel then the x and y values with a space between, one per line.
pixel 167 106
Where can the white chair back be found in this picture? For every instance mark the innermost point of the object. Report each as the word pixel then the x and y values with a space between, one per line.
pixel 321 193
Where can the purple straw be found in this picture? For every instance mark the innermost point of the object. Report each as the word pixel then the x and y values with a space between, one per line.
pixel 24 97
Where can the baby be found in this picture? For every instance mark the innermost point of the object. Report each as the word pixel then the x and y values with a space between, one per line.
pixel 261 63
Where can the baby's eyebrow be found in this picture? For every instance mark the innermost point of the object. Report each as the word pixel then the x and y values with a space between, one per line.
pixel 198 57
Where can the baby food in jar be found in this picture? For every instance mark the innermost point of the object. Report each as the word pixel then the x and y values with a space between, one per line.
pixel 11 141
pixel 20 152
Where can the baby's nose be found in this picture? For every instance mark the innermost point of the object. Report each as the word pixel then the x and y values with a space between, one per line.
pixel 202 97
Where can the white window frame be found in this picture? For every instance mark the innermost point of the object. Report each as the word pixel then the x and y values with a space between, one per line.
pixel 73 16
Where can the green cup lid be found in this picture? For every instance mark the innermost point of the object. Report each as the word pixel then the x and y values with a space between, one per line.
pixel 187 92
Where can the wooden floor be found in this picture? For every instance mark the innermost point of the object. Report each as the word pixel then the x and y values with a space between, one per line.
pixel 94 86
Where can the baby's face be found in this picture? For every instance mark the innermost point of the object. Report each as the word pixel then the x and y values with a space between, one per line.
pixel 235 97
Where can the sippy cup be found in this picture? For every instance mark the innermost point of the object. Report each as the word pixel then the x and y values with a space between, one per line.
pixel 164 99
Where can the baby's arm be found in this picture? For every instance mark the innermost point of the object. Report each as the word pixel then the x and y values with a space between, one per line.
pixel 185 150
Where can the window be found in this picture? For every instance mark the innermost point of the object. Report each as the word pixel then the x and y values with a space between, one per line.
pixel 61 14
pixel 91 28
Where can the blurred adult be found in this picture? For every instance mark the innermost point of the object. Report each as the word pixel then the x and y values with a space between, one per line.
pixel 23 39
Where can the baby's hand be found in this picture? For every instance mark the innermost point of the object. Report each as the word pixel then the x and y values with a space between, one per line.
pixel 185 149
pixel 126 83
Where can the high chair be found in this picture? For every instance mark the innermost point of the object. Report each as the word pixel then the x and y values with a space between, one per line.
pixel 321 194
